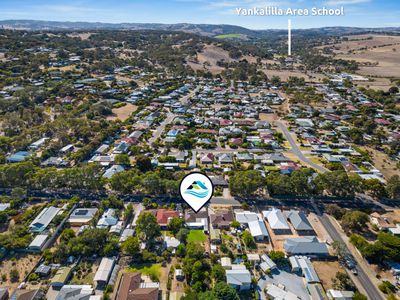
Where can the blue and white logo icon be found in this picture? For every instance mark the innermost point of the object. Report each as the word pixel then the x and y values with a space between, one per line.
pixel 196 190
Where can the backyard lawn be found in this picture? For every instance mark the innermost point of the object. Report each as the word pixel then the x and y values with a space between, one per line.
pixel 197 236
pixel 151 270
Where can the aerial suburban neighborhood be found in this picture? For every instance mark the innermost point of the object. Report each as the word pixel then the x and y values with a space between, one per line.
pixel 101 123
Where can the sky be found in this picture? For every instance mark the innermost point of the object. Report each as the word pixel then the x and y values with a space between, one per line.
pixel 359 13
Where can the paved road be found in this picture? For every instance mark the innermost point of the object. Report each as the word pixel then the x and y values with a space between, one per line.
pixel 170 117
pixel 295 148
pixel 160 129
pixel 369 287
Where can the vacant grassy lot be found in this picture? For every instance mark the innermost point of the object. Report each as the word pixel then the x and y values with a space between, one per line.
pixel 151 270
pixel 197 236
pixel 123 112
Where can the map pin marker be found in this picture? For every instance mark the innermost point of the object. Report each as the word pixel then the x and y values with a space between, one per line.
pixel 196 189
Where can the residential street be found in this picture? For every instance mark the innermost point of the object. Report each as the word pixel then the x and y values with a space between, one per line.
pixel 364 275
pixel 296 150
pixel 170 117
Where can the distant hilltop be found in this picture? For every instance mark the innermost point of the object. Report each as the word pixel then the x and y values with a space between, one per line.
pixel 211 30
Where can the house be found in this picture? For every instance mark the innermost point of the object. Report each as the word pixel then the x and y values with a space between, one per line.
pixel 307 245
pixel 66 149
pixel 225 158
pixel 165 215
pixel 267 263
pixel 239 279
pixel 104 271
pixel 339 295
pixel 221 219
pixel 395 231
pixel 258 230
pixel 171 242
pixel 244 217
pixel 303 264
pixel 18 156
pixel 226 263
pixel 253 257
pixel 207 158
pixel 275 292
pixel 102 149
pixel 38 242
pixel 306 123
pixel 76 292
pixel 197 220
pixel 61 277
pixel 127 232
pixel 382 222
pixel 38 144
pixel 4 206
pixel 113 170
pixel 54 161
pixel 277 221
pixel 82 216
pixel 40 223
pixel 43 270
pixel 180 156
pixel 117 228
pixel 219 181
pixel 108 219
pixel 131 288
pixel 299 222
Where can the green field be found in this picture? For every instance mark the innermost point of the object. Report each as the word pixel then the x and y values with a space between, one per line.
pixel 153 271
pixel 196 236
pixel 229 36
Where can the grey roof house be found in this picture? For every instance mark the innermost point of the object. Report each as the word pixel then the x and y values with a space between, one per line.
pixel 307 245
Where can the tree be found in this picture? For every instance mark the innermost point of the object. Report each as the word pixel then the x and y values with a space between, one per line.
pixel 122 159
pixel 358 296
pixel 393 90
pixel 222 291
pixel 181 250
pixel 182 235
pixel 143 163
pixel 128 212
pixel 342 281
pixel 335 210
pixel 338 183
pixel 354 221
pixel 376 188
pixel 393 187
pixel 67 234
pixel 235 224
pixel 277 256
pixel 387 287
pixel 14 275
pixel 218 273
pixel 18 193
pixel 147 226
pixel 245 183
pixel 3 217
pixel 131 246
pixel 175 224
pixel 248 239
